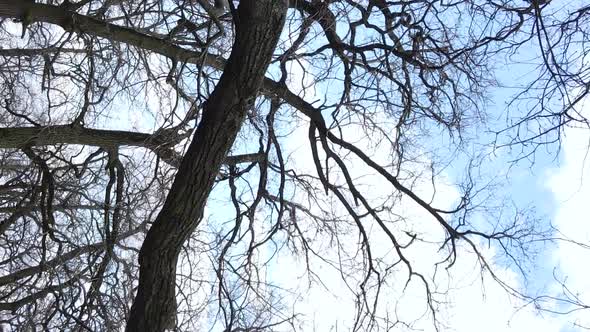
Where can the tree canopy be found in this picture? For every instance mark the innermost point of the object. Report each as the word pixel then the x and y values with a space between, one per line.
pixel 172 164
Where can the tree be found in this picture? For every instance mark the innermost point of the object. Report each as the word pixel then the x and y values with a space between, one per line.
pixel 104 225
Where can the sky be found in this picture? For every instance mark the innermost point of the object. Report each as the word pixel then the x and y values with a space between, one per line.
pixel 475 303
pixel 556 185
pixel 570 185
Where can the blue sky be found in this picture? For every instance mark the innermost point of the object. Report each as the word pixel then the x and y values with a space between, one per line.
pixel 554 186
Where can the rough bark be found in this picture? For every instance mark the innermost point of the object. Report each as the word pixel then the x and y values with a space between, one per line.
pixel 160 142
pixel 73 21
pixel 69 20
pixel 258 26
pixel 16 137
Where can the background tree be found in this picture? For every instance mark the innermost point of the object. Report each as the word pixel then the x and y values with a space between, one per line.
pixel 122 120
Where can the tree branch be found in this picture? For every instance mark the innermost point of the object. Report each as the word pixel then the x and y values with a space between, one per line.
pixel 72 21
pixel 60 260
pixel 161 144
pixel 258 28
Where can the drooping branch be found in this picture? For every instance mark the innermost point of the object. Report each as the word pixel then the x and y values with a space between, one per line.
pixel 59 260
pixel 13 306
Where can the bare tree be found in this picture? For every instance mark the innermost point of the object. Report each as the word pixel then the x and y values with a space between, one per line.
pixel 123 120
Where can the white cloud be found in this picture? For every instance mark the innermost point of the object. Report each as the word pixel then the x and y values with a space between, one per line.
pixel 570 184
pixel 473 302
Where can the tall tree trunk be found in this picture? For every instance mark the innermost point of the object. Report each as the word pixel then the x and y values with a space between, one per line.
pixel 258 27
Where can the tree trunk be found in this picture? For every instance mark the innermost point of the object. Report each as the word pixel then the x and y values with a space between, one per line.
pixel 258 27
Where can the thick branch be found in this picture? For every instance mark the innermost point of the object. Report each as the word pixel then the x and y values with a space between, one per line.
pixel 18 52
pixel 161 145
pixel 13 306
pixel 17 137
pixel 71 20
pixel 60 260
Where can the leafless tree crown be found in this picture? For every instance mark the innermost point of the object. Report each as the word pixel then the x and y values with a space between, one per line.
pixel 156 157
